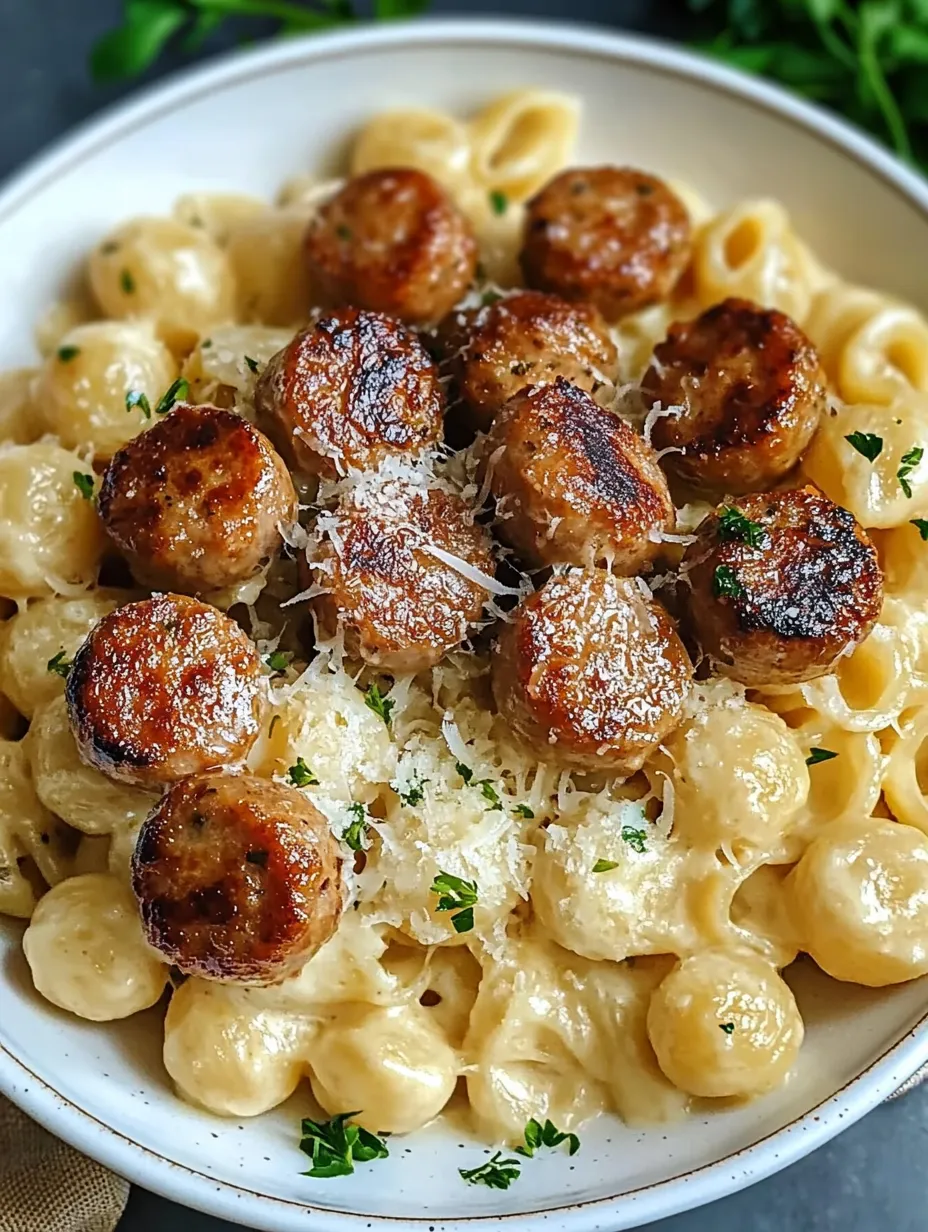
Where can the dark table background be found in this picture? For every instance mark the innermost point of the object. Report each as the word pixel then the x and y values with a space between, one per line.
pixel 874 1178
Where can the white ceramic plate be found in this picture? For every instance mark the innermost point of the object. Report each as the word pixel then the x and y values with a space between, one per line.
pixel 248 123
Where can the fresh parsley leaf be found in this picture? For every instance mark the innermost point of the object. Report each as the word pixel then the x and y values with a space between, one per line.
pixel 727 1027
pixel 537 1135
pixel 489 792
pixel 921 525
pixel 354 835
pixel 60 665
pixel 381 706
pixel 129 50
pixel 496 1173
pixel 127 282
pixel 335 1146
pixel 867 444
pixel 278 660
pixel 522 810
pixel 252 363
pixel 174 393
pixel 818 755
pixel 910 460
pixel 605 866
pixel 456 894
pixel 735 526
pixel 136 398
pixel 635 838
pixel 300 775
pixel 67 353
pixel 725 584
pixel 499 202
pixel 464 771
pixel 463 921
pixel 343 232
pixel 84 484
pixel 489 297
pixel 415 791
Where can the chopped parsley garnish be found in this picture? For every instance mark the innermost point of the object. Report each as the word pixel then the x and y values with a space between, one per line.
pixel 538 1135
pixel 127 282
pixel 910 460
pixel 354 835
pixel 921 525
pixel 67 353
pixel 206 344
pixel 252 363
pixel 300 774
pixel 490 297
pixel 60 665
pixel 735 527
pixel 499 202
pixel 415 791
pixel 817 755
pixel 522 810
pixel 727 1027
pixel 725 584
pixel 489 792
pixel 496 1173
pixel 180 389
pixel 465 772
pixel 278 660
pixel 343 232
pixel 136 398
pixel 456 894
pixel 381 706
pixel 605 866
pixel 335 1146
pixel 634 838
pixel 84 484
pixel 867 444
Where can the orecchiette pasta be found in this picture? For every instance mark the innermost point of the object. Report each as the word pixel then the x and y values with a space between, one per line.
pixel 427 140
pixel 266 254
pixel 20 421
pixel 521 140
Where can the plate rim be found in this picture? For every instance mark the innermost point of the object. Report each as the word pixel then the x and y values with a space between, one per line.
pixel 182 1184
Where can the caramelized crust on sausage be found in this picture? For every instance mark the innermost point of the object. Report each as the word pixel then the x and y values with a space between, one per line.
pixel 393 241
pixel 195 503
pixel 591 674
pixel 752 392
pixel 575 484
pixel 164 688
pixel 612 235
pixel 238 878
pixel 348 391
pixel 525 338
pixel 399 605
pixel 787 609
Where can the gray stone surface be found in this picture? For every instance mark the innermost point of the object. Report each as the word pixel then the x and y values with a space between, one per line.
pixel 874 1178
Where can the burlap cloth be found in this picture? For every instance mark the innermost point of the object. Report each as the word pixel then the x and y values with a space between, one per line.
pixel 46 1186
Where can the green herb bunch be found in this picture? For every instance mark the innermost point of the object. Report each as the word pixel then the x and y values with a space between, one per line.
pixel 867 60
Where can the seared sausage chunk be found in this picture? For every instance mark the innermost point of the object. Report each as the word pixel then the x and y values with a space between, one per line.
pixel 238 878
pixel 164 688
pixel 527 338
pixel 195 504
pixel 349 390
pixel 393 559
pixel 393 241
pixel 612 235
pixel 591 674
pixel 751 392
pixel 782 585
pixel 574 482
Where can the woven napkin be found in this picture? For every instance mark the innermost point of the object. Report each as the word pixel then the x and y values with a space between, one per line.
pixel 46 1186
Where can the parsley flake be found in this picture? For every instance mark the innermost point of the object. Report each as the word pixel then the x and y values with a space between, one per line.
pixel 354 835
pixel 136 398
pixel 381 706
pixel 635 838
pixel 725 584
pixel 817 755
pixel 343 232
pixel 127 282
pixel 252 363
pixel 489 792
pixel 735 527
pixel 499 202
pixel 335 1146
pixel 178 391
pixel 921 525
pixel 415 791
pixel 278 660
pixel 522 810
pixel 489 298
pixel 538 1135
pixel 867 444
pixel 300 775
pixel 84 484
pixel 60 665
pixel 465 772
pixel 727 1027
pixel 910 460
pixel 605 866
pixel 67 353
pixel 456 894
pixel 496 1173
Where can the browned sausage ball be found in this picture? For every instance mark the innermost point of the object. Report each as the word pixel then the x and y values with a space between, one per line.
pixel 752 392
pixel 400 606
pixel 392 240
pixel 349 390
pixel 164 688
pixel 574 482
pixel 591 674
pixel 612 235
pixel 238 878
pixel 782 585
pixel 528 338
pixel 195 504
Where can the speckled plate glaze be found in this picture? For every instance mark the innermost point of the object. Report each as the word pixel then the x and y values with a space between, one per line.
pixel 248 122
